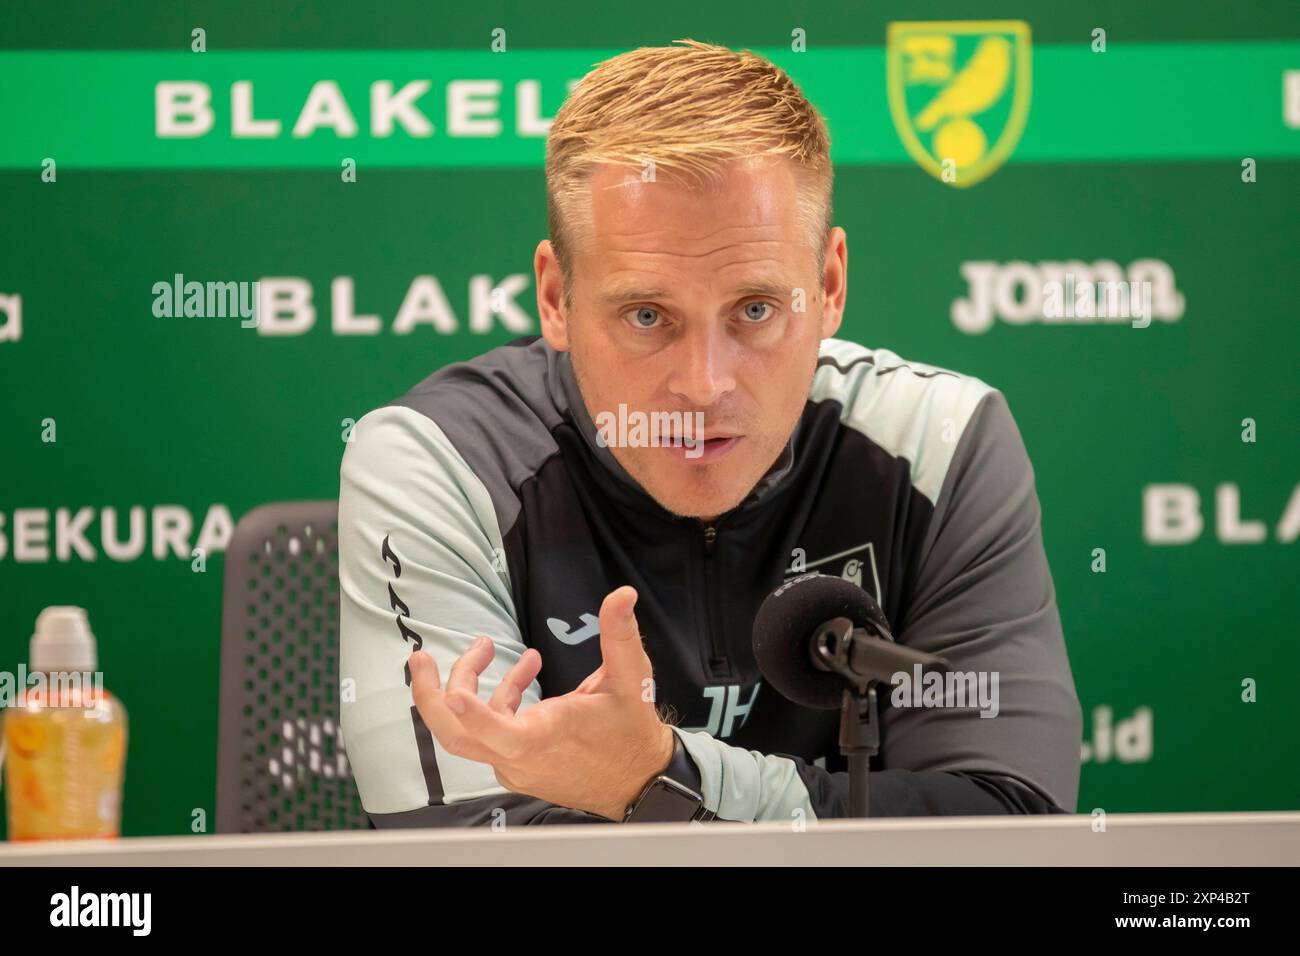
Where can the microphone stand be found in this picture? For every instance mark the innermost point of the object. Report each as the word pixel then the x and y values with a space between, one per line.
pixel 863 659
pixel 859 742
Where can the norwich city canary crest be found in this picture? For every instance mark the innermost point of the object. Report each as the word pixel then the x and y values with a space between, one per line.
pixel 959 93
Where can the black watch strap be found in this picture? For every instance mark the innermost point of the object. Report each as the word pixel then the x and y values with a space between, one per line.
pixel 681 776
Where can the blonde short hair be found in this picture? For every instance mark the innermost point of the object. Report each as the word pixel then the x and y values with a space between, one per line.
pixel 690 109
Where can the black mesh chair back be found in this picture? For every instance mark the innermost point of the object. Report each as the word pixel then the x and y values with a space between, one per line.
pixel 280 758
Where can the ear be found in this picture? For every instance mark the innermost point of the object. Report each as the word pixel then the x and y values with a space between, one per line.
pixel 550 297
pixel 835 281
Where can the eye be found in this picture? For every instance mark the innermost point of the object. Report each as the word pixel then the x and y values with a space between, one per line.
pixel 754 311
pixel 644 317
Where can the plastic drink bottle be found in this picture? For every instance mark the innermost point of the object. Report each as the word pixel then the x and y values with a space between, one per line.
pixel 64 739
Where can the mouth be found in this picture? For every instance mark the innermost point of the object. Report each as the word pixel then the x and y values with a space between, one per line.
pixel 709 449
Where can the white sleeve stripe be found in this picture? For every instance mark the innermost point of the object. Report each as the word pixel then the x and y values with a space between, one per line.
pixel 402 478
pixel 913 411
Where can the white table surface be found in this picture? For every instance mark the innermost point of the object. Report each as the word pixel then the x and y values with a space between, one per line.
pixel 1147 839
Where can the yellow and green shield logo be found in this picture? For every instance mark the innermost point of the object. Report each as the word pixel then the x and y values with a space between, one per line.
pixel 959 93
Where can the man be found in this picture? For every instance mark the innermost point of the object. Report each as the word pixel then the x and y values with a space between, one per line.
pixel 499 522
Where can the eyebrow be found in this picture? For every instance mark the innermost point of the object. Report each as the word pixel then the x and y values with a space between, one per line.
pixel 626 293
pixel 618 294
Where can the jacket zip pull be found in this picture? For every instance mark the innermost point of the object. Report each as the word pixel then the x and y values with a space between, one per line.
pixel 718 660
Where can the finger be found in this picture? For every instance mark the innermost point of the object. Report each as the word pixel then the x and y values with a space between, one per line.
pixel 510 692
pixel 464 673
pixel 427 671
pixel 504 734
pixel 431 704
pixel 624 659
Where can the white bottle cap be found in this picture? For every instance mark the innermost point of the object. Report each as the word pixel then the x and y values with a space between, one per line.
pixel 62 641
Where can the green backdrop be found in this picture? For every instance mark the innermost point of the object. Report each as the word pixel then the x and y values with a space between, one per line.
pixel 1135 153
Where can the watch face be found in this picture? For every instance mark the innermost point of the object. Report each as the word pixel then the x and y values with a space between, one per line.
pixel 666 801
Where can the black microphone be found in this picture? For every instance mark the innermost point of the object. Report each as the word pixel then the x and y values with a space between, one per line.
pixel 824 643
pixel 816 635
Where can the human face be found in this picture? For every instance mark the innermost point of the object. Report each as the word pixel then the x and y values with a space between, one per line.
pixel 695 301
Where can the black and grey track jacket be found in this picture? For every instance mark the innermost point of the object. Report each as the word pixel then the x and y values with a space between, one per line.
pixel 481 502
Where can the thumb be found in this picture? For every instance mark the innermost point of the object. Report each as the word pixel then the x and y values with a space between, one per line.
pixel 624 659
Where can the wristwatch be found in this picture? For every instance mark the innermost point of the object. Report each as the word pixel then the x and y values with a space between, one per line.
pixel 675 795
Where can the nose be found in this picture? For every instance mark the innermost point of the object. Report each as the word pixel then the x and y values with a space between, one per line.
pixel 702 364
